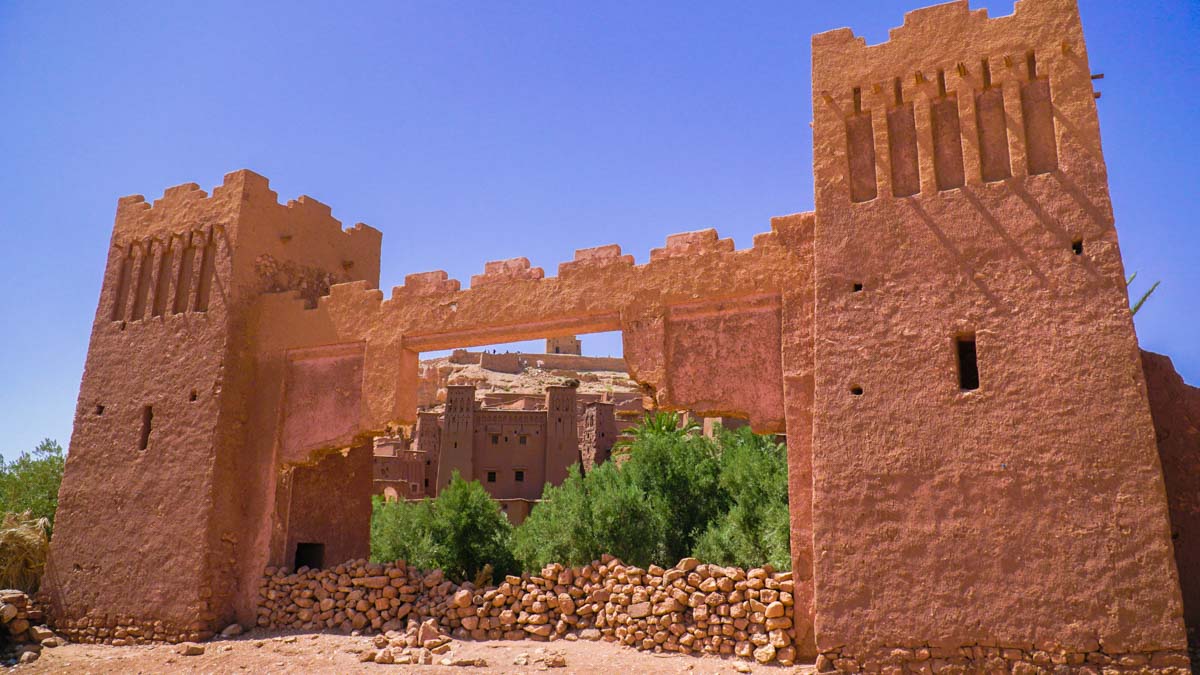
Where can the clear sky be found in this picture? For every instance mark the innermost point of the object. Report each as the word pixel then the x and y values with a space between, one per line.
pixel 474 131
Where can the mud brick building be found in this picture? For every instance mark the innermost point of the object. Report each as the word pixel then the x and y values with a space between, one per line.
pixel 974 453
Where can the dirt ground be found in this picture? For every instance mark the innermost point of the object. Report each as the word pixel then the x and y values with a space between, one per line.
pixel 262 652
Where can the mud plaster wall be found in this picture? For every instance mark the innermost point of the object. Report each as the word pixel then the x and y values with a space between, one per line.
pixel 330 504
pixel 1027 512
pixel 1176 410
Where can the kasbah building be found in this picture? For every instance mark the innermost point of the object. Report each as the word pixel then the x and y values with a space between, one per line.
pixel 983 466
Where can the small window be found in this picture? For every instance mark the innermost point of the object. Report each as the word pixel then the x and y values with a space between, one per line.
pixel 426 482
pixel 495 439
pixel 99 409
pixel 522 440
pixel 193 396
pixel 856 390
pixel 147 421
pixel 519 475
pixel 1077 247
pixel 968 365
pixel 311 555
pixel 491 476
pixel 857 288
pixel 428 462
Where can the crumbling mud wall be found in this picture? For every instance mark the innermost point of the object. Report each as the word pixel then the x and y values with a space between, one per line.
pixel 1176 410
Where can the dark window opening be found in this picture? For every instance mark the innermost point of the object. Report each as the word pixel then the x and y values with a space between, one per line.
pixel 858 287
pixel 1077 247
pixel 309 555
pixel 523 440
pixel 147 420
pixel 491 476
pixel 193 396
pixel 495 439
pixel 426 482
pixel 520 476
pixel 99 409
pixel 428 462
pixel 968 365
pixel 856 390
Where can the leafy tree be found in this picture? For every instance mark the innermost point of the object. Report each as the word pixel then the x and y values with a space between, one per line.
pixel 30 482
pixel 400 530
pixel 604 512
pixel 469 531
pixel 460 532
pixel 679 473
pixel 755 529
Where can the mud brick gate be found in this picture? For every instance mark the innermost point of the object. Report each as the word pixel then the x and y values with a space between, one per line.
pixel 945 341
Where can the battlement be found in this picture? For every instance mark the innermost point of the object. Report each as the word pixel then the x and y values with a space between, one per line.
pixel 953 99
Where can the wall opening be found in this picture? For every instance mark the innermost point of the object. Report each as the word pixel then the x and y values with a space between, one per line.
pixel 145 273
pixel 1037 113
pixel 968 364
pixel 1077 247
pixel 183 284
pixel 992 126
pixel 860 151
pixel 163 284
pixel 147 422
pixel 947 138
pixel 309 554
pixel 902 145
pixel 118 310
pixel 207 265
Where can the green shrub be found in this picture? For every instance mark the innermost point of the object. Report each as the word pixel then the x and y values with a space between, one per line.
pixel 583 518
pixel 756 529
pixel 29 484
pixel 460 532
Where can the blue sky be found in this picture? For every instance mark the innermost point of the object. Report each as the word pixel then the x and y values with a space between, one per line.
pixel 474 131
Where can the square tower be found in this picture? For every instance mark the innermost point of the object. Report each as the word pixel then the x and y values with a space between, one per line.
pixel 980 419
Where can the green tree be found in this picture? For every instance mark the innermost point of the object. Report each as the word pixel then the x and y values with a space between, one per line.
pixel 604 512
pixel 460 532
pixel 469 531
pixel 30 482
pixel 756 528
pixel 401 530
pixel 678 471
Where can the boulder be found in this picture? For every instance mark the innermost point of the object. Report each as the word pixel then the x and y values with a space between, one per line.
pixel 232 630
pixel 190 649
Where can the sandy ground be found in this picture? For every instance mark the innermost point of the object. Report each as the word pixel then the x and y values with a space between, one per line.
pixel 274 652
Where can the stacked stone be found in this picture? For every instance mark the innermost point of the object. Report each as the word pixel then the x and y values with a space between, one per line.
pixel 21 635
pixel 123 630
pixel 689 608
pixel 1024 660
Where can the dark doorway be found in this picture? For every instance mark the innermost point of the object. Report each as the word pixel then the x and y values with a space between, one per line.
pixel 309 555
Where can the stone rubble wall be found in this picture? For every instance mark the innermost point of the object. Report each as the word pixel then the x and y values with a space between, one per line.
pixel 22 636
pixel 1024 660
pixel 691 608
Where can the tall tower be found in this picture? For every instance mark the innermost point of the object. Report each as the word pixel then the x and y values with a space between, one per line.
pixel 562 433
pixel 458 436
pixel 156 479
pixel 980 415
